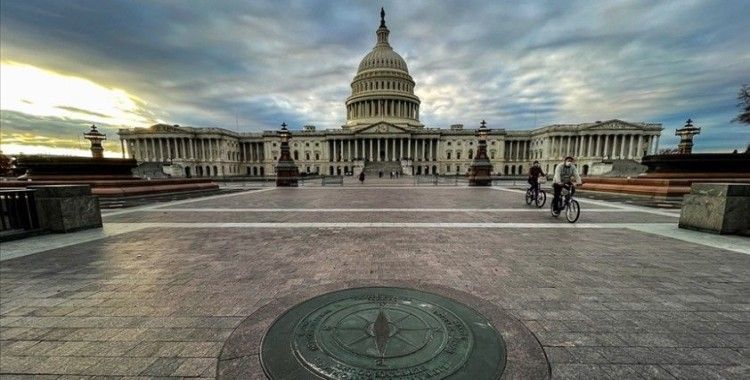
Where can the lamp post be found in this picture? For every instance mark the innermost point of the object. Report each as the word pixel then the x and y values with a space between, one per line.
pixel 96 138
pixel 286 170
pixel 481 169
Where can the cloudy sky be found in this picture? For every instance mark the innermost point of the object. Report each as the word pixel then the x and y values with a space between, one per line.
pixel 250 65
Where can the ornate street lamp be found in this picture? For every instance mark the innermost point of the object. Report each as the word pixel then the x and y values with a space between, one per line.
pixel 286 170
pixel 481 169
pixel 686 134
pixel 96 138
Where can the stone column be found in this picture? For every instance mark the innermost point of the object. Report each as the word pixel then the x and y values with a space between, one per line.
pixel 656 145
pixel 622 146
pixel 582 148
pixel 630 147
pixel 400 149
pixel 437 149
pixel 387 154
pixel 606 146
pixel 638 149
pixel 408 147
pixel 510 150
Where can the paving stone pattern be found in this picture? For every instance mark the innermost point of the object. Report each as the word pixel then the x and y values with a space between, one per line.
pixel 603 303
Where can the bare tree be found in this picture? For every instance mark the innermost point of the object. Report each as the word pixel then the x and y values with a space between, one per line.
pixel 744 103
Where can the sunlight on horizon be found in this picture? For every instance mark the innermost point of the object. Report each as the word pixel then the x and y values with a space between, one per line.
pixel 39 92
pixel 23 149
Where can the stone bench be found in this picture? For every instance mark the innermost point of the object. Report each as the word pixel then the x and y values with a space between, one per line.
pixel 66 208
pixel 332 180
pixel 722 208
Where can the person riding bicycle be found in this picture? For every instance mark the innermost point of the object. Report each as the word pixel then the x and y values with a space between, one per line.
pixel 561 178
pixel 534 173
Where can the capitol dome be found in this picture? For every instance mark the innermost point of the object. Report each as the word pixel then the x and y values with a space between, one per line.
pixel 382 90
pixel 382 56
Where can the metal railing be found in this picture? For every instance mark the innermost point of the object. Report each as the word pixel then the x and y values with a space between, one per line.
pixel 18 209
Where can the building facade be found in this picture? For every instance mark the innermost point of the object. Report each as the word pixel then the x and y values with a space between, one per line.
pixel 383 133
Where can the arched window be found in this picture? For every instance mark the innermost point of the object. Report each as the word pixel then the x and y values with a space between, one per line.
pixel 317 156
pixel 458 155
pixel 296 155
pixel 448 156
pixel 471 154
pixel 513 170
pixel 307 156
pixel 506 170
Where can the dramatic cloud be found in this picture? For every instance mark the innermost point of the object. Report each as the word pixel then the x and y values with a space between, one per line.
pixel 249 66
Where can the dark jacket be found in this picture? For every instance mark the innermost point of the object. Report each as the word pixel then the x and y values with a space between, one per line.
pixel 536 172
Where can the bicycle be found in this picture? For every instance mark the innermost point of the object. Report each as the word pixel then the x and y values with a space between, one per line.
pixel 570 205
pixel 539 200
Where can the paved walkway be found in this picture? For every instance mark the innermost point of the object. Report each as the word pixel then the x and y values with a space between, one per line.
pixel 621 294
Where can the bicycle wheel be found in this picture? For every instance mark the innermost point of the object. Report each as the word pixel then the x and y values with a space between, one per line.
pixel 572 211
pixel 529 197
pixel 541 199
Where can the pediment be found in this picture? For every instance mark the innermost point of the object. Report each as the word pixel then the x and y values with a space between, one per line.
pixel 613 125
pixel 381 127
pixel 164 128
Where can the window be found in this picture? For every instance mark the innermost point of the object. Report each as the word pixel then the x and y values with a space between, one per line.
pixel 471 154
pixel 296 155
pixel 458 155
pixel 448 156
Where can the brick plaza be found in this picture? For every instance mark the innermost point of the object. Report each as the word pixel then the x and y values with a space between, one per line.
pixel 621 294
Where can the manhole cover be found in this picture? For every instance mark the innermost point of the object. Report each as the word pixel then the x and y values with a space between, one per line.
pixel 382 333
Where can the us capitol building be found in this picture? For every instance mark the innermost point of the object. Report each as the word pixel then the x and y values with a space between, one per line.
pixel 383 133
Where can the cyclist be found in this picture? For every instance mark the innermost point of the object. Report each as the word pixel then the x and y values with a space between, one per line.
pixel 534 173
pixel 561 178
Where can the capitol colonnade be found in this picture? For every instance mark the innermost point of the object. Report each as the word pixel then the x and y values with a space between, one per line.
pixel 220 152
pixel 376 149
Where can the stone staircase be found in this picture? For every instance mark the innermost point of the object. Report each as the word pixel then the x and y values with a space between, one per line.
pixel 372 168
